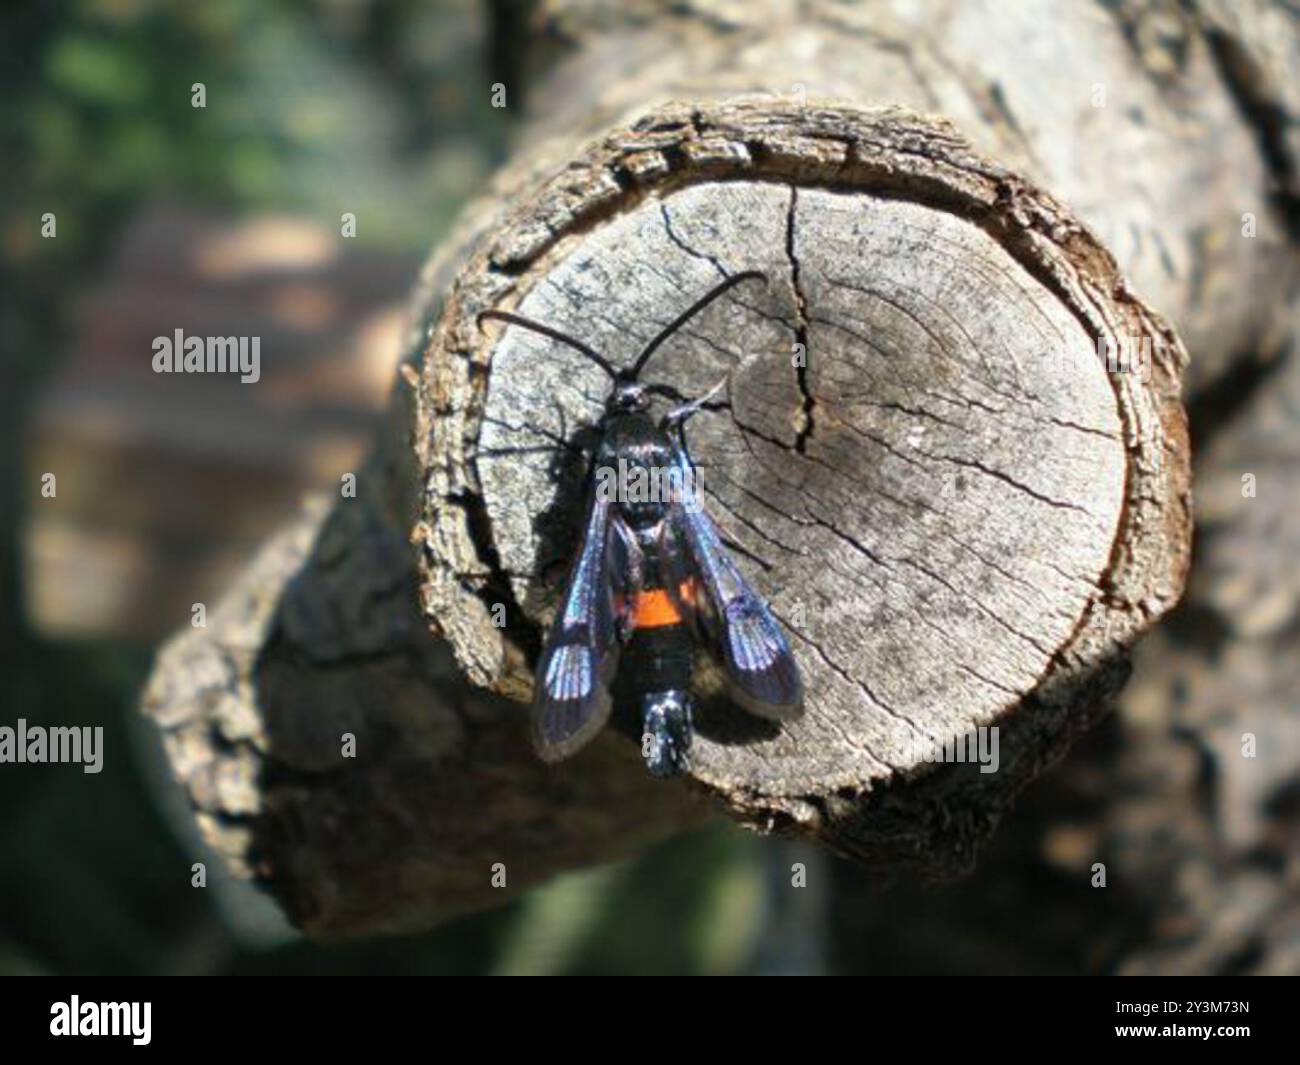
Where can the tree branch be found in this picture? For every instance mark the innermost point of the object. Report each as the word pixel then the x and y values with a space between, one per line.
pixel 963 517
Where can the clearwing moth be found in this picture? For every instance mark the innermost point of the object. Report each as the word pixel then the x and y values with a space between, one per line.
pixel 651 578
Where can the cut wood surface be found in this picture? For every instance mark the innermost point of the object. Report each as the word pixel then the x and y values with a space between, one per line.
pixel 960 513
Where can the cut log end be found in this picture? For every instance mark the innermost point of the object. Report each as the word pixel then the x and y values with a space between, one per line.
pixel 950 452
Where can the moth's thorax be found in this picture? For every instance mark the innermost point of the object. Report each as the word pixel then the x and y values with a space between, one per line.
pixel 631 432
pixel 641 455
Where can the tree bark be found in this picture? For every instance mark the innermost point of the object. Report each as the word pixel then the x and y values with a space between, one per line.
pixel 963 517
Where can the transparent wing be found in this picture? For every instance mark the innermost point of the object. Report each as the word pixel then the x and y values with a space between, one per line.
pixel 737 623
pixel 571 700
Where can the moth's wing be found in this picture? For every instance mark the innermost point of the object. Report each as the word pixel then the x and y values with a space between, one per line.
pixel 626 563
pixel 678 575
pixel 571 700
pixel 737 624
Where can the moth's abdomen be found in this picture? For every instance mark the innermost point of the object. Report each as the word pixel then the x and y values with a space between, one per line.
pixel 659 657
pixel 656 608
pixel 658 663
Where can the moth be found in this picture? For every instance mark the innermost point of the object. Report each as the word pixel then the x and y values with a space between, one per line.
pixel 651 579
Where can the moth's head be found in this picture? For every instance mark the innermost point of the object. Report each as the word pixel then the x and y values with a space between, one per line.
pixel 627 397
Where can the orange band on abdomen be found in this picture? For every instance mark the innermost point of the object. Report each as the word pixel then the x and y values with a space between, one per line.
pixel 654 607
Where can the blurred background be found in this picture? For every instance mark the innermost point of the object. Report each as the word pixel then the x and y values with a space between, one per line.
pixel 229 215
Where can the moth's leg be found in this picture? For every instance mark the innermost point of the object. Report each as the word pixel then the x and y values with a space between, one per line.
pixel 675 418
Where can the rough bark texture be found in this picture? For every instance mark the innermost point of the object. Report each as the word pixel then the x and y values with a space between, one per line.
pixel 972 518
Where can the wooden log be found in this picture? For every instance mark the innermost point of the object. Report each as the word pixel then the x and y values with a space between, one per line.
pixel 962 516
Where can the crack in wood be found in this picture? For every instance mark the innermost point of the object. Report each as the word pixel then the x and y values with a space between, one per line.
pixel 802 370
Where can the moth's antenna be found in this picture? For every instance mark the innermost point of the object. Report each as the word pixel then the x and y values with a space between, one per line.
pixel 688 314
pixel 554 334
